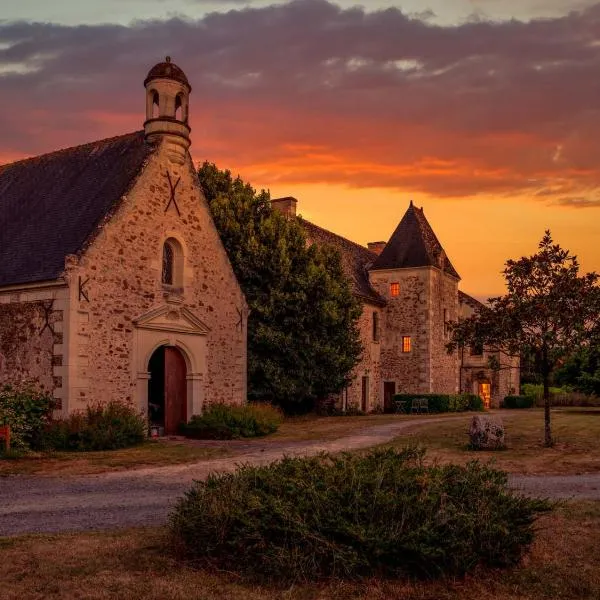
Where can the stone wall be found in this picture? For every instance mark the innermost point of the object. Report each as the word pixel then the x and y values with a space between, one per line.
pixel 369 365
pixel 405 315
pixel 118 280
pixel 443 309
pixel 29 331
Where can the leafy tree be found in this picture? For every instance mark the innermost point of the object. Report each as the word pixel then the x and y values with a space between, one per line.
pixel 303 339
pixel 549 309
pixel 581 370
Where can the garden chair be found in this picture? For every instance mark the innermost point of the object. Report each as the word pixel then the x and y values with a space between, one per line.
pixel 419 405
pixel 400 406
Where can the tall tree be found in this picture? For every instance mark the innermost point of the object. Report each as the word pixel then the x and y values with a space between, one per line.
pixel 549 308
pixel 303 339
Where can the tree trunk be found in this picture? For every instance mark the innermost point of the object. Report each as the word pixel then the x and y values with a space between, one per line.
pixel 546 379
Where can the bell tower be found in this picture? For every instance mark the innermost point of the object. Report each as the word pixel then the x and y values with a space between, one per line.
pixel 167 108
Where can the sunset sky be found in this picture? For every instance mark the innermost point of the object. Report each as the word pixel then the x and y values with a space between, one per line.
pixel 487 113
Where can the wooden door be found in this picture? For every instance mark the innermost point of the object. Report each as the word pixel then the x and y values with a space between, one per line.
pixel 364 396
pixel 175 390
pixel 389 391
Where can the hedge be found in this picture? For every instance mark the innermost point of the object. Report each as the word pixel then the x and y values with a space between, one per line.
pixel 383 514
pixel 442 403
pixel 518 402
pixel 99 427
pixel 227 422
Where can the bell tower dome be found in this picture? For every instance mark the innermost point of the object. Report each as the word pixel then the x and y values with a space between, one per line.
pixel 167 108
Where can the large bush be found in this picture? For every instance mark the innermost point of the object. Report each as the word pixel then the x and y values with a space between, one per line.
pixel 380 514
pixel 518 402
pixel 227 422
pixel 442 403
pixel 101 427
pixel 27 411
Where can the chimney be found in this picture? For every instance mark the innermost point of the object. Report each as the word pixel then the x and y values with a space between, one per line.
pixel 286 206
pixel 376 247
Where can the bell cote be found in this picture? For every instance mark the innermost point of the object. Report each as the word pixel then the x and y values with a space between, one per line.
pixel 167 108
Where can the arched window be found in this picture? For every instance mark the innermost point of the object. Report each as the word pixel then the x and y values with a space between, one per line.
pixel 168 264
pixel 155 105
pixel 172 263
pixel 178 108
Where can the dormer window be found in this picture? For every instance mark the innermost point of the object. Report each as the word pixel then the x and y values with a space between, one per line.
pixel 172 264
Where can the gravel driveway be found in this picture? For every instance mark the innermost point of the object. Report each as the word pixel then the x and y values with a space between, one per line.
pixel 30 504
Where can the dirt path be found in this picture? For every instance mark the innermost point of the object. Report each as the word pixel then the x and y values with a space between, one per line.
pixel 145 496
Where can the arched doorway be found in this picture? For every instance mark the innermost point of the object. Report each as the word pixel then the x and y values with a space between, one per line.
pixel 167 389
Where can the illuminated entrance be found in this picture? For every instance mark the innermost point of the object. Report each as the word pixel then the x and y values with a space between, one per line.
pixel 485 393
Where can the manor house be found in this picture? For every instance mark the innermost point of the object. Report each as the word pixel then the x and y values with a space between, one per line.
pixel 114 283
pixel 409 293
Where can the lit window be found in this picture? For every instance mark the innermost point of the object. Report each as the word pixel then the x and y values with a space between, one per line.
pixel 168 264
pixel 375 327
pixel 406 344
pixel 394 289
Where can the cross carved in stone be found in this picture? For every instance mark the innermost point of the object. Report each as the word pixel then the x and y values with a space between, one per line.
pixel 172 188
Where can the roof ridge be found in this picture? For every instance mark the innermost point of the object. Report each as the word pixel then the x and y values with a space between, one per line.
pixel 71 148
pixel 341 237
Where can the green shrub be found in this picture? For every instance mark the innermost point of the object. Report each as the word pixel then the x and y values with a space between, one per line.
pixel 101 427
pixel 27 411
pixel 227 422
pixel 518 402
pixel 354 515
pixel 442 403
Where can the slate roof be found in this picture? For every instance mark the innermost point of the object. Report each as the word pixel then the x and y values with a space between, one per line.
pixel 355 260
pixel 51 204
pixel 466 299
pixel 414 244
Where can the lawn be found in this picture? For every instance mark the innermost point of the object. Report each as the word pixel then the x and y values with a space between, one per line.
pixel 127 565
pixel 576 431
pixel 151 453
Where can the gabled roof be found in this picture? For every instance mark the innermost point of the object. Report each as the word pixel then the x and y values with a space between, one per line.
pixel 469 300
pixel 51 204
pixel 356 260
pixel 414 244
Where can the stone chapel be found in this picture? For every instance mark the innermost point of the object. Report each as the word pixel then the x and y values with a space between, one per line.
pixel 114 284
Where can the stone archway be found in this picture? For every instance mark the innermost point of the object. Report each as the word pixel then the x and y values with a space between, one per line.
pixel 167 389
pixel 182 337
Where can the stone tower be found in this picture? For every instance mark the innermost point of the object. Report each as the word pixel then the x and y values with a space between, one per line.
pixel 420 285
pixel 167 108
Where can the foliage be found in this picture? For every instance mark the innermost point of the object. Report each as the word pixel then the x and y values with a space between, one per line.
pixel 303 339
pixel 227 422
pixel 100 427
pixel 27 411
pixel 581 370
pixel 352 516
pixel 549 309
pixel 518 402
pixel 443 403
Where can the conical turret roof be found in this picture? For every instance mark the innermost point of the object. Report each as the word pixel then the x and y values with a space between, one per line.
pixel 414 244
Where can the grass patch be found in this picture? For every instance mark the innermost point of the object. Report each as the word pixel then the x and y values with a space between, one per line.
pixel 149 454
pixel 564 564
pixel 576 450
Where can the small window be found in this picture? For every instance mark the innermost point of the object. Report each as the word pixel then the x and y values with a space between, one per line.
pixel 394 289
pixel 172 264
pixel 406 344
pixel 375 326
pixel 168 265
pixel 476 350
